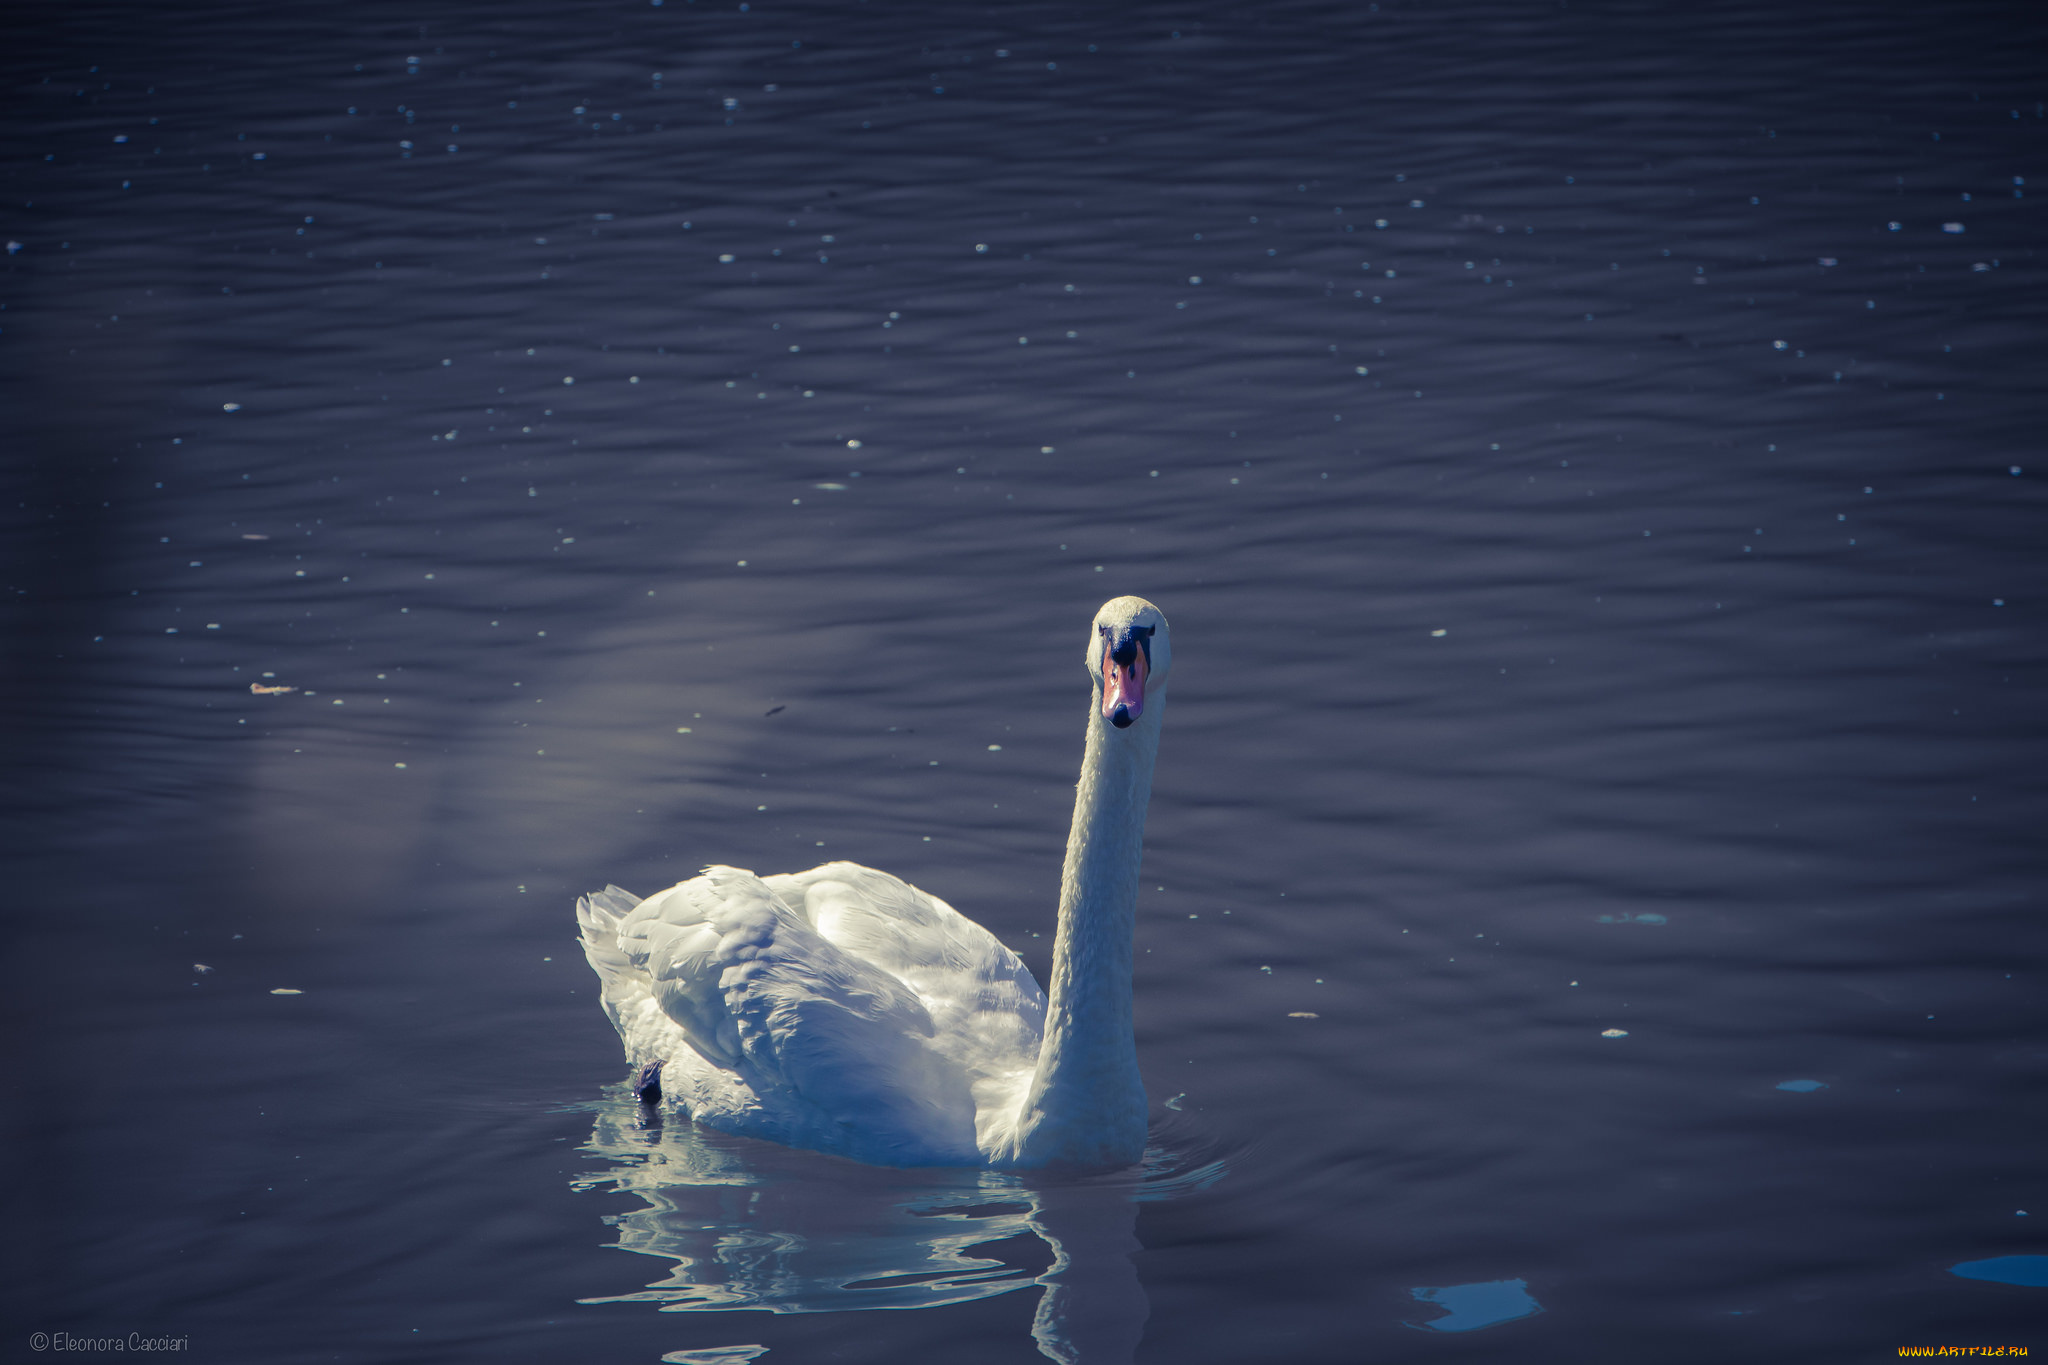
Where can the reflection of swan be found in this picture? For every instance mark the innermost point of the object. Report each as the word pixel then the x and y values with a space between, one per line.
pixel 753 1226
pixel 845 1010
pixel 750 1226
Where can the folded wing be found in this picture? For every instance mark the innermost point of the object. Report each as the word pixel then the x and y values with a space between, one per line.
pixel 861 1015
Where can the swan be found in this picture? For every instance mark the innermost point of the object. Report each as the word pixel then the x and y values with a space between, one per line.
pixel 846 1011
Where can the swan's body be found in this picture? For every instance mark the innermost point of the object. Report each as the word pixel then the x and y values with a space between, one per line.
pixel 842 1009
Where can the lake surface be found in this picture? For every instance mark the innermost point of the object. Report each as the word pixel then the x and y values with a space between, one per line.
pixel 1591 458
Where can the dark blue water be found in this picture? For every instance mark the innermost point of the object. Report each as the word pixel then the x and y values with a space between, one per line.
pixel 1590 456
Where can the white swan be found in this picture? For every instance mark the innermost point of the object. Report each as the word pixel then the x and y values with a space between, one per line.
pixel 844 1010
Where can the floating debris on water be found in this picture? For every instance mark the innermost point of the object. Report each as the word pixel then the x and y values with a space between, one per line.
pixel 260 690
pixel 1470 1307
pixel 1802 1087
pixel 286 990
pixel 1614 1033
pixel 2027 1270
pixel 1303 1014
pixel 1174 1103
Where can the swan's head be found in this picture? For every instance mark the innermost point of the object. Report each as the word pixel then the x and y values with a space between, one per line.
pixel 1129 654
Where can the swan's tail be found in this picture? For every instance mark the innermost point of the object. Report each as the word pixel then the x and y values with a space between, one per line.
pixel 598 915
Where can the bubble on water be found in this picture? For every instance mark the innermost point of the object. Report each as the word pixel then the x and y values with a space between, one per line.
pixel 1952 227
pixel 1802 1087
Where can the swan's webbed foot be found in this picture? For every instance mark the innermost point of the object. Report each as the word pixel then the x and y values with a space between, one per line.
pixel 647 1083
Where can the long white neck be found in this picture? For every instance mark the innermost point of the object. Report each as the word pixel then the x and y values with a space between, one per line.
pixel 1086 1105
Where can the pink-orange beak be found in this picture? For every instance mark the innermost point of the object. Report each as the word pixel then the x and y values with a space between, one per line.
pixel 1123 688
